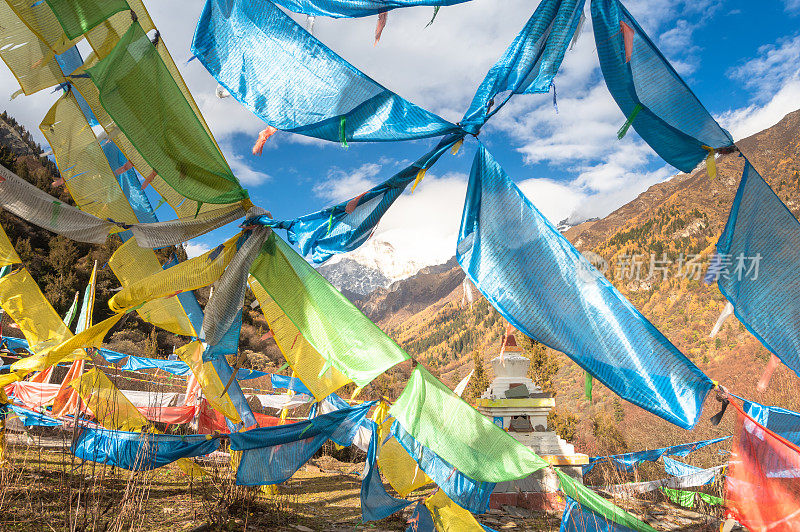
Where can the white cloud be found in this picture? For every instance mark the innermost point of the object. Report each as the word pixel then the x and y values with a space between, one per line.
pixel 241 169
pixel 749 120
pixel 423 225
pixel 195 248
pixel 556 201
pixel 773 76
pixel 341 184
pixel 792 6
pixel 775 65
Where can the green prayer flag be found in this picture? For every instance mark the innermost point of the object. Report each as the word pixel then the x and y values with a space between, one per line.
pixel 141 96
pixel 333 326
pixel 594 502
pixel 79 16
pixel 70 315
pixel 687 498
pixel 441 421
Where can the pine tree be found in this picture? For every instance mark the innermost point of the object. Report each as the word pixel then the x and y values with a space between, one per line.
pixel 480 379
pixel 543 366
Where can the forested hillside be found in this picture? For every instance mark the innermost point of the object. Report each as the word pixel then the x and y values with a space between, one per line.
pixel 62 266
pixel 655 250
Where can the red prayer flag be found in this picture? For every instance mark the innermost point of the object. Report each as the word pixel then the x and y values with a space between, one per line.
pixel 763 482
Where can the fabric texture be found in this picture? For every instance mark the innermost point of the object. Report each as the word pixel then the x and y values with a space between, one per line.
pixel 8 255
pixel 449 517
pixel 170 415
pixel 421 520
pixel 173 232
pixel 67 400
pixel 25 303
pixel 678 469
pixel 467 493
pixel 347 225
pixel 137 451
pixel 211 382
pixel 128 180
pixel 762 491
pixel 400 470
pixel 44 24
pixel 32 394
pixel 545 288
pixel 39 208
pixel 189 275
pixel 356 8
pixel 785 423
pixel 337 330
pixel 83 164
pixel 441 421
pixel 360 436
pixel 271 455
pixel 670 118
pixel 31 418
pixel 187 299
pixel 690 480
pixel 132 264
pixel 227 377
pixel 20 49
pixel 175 367
pixel 290 383
pixel 629 461
pixel 603 508
pixel 68 350
pixel 376 504
pixel 138 91
pixel 78 17
pixel 110 407
pixel 577 518
pixel 311 369
pixel 293 82
pixel 530 63
pixel 228 298
pixel 760 266
pixel 688 499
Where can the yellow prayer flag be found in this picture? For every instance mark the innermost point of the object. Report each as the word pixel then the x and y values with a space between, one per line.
pixel 24 302
pixel 305 361
pixel 131 263
pixel 70 349
pixel 194 273
pixel 8 254
pixel 450 517
pixel 110 407
pixel 396 464
pixel 206 375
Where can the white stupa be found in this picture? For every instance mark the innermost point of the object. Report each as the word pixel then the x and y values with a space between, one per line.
pixel 516 404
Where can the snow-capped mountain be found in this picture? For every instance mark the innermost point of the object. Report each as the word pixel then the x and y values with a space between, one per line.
pixel 376 264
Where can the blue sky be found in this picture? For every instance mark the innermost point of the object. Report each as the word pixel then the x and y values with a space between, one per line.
pixel 741 58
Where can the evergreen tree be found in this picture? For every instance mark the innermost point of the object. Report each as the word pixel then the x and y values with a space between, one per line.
pixel 543 366
pixel 480 379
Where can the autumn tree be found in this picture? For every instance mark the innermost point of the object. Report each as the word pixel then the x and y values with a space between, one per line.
pixel 543 367
pixel 480 379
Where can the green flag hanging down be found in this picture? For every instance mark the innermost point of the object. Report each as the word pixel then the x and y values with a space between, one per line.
pixel 141 96
pixel 333 326
pixel 441 421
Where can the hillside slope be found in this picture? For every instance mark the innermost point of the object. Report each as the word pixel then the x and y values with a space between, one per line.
pixel 670 223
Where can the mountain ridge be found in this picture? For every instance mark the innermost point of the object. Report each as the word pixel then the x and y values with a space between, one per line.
pixel 429 315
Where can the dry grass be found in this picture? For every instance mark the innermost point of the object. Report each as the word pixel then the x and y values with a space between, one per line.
pixel 48 489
